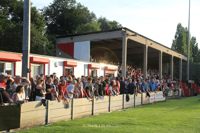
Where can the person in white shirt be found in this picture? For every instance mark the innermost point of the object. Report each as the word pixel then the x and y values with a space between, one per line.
pixel 70 89
pixel 19 95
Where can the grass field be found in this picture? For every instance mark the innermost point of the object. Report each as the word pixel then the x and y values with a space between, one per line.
pixel 173 116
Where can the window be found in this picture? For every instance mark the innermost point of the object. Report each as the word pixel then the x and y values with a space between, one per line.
pixel 69 71
pixel 2 67
pixel 7 67
pixel 94 73
pixel 37 69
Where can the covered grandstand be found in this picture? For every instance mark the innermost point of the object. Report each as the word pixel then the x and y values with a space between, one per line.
pixel 123 47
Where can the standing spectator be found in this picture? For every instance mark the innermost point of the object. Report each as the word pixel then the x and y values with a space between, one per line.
pixel 101 87
pixel 27 87
pixel 131 87
pixel 40 90
pixel 9 85
pixel 76 89
pixel 113 88
pixel 80 88
pixel 70 88
pixel 33 90
pixel 56 83
pixel 118 85
pixel 19 95
pixel 145 87
pixel 84 81
pixel 122 86
pixel 49 88
pixel 96 88
pixel 153 85
pixel 62 89
pixel 17 81
pixel 4 96
pixel 89 88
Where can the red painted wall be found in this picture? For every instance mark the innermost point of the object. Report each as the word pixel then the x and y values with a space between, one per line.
pixel 67 48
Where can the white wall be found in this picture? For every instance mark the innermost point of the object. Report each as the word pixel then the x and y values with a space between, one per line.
pixel 82 50
pixel 18 69
pixel 86 69
pixel 101 70
pixel 79 70
pixel 47 69
pixel 56 66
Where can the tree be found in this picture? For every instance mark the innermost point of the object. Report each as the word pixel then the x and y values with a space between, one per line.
pixel 108 25
pixel 66 17
pixel 69 17
pixel 11 28
pixel 180 43
pixel 195 55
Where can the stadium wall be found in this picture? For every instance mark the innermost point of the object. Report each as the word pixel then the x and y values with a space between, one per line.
pixel 34 113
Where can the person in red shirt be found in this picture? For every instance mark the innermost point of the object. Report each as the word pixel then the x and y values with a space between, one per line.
pixel 4 96
pixel 62 89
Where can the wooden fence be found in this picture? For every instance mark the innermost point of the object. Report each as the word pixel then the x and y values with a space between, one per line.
pixel 34 113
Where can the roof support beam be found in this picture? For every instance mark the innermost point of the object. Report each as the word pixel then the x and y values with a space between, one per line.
pixel 124 56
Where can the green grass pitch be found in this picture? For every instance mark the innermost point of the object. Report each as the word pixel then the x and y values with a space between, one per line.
pixel 172 116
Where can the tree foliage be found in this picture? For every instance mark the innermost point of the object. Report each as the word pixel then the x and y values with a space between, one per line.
pixel 62 17
pixel 108 25
pixel 11 28
pixel 66 17
pixel 179 44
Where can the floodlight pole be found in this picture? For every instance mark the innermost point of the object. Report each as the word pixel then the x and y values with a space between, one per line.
pixel 124 54
pixel 188 44
pixel 26 38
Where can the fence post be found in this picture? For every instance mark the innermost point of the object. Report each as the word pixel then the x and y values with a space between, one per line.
pixel 123 102
pixel 134 99
pixel 47 113
pixel 109 103
pixel 72 109
pixel 142 98
pixel 93 105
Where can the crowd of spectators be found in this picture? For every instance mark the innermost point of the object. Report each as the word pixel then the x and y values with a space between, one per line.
pixel 50 87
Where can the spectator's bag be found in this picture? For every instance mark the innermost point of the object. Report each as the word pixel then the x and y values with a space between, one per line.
pixel 127 97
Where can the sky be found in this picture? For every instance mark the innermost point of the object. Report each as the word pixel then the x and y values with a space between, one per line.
pixel 155 19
